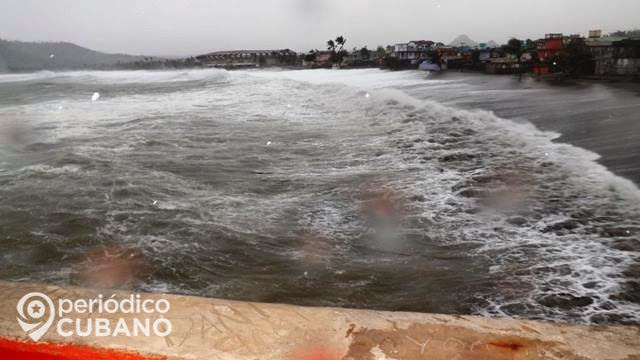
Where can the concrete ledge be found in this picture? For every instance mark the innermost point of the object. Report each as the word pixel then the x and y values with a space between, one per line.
pixel 219 329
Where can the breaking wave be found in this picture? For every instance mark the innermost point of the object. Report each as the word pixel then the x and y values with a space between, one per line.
pixel 327 188
pixel 115 77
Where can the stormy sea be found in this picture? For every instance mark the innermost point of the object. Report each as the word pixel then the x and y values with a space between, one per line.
pixel 455 193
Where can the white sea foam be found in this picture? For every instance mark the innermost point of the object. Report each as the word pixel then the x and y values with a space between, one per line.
pixel 116 77
pixel 44 168
pixel 536 212
pixel 572 257
pixel 41 75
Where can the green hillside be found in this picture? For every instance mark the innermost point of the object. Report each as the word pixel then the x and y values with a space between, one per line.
pixel 33 56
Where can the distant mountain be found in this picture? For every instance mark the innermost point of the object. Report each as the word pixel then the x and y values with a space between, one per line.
pixel 463 40
pixel 33 56
pixel 492 44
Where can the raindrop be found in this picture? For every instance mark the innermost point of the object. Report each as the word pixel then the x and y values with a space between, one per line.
pixel 95 96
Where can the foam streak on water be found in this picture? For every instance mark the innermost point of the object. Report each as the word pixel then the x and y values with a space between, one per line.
pixel 312 187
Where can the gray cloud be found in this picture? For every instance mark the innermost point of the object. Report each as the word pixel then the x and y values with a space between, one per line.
pixel 165 27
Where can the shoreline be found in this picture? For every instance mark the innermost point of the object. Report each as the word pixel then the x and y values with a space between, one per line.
pixel 605 125
pixel 551 78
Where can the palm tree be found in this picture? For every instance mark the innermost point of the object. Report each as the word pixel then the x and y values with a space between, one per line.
pixel 341 40
pixel 331 45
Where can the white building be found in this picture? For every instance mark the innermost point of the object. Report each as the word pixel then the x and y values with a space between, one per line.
pixel 413 50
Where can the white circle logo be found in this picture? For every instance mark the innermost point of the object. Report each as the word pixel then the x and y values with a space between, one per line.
pixel 37 305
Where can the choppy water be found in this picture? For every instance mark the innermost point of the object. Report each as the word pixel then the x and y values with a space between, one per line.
pixel 356 188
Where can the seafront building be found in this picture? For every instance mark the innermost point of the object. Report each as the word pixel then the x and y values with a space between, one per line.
pixel 249 58
pixel 610 56
pixel 413 51
pixel 317 59
pixel 614 55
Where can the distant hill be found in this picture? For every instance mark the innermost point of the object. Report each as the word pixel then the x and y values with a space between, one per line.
pixel 34 56
pixel 463 40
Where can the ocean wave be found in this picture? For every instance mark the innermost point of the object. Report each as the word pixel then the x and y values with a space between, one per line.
pixel 116 76
pixel 559 228
pixel 340 181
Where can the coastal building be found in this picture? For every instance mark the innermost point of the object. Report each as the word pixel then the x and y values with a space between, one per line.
pixel 549 46
pixel 365 57
pixel 484 55
pixel 318 59
pixel 249 58
pixel 358 55
pixel 413 50
pixel 377 54
pixel 446 52
pixel 505 65
pixel 423 45
pixel 595 34
pixel 358 58
pixel 569 39
pixel 615 56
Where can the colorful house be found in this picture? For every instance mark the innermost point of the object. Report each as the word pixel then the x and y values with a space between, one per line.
pixel 318 59
pixel 550 46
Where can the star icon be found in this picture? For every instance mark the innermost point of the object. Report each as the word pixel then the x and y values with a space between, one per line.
pixel 36 309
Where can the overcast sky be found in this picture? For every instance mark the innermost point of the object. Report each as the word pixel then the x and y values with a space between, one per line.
pixel 189 27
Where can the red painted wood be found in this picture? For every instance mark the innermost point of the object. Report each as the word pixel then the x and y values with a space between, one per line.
pixel 23 350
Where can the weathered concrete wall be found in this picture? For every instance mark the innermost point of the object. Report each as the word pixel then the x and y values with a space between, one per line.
pixel 219 329
pixel 611 66
pixel 627 67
